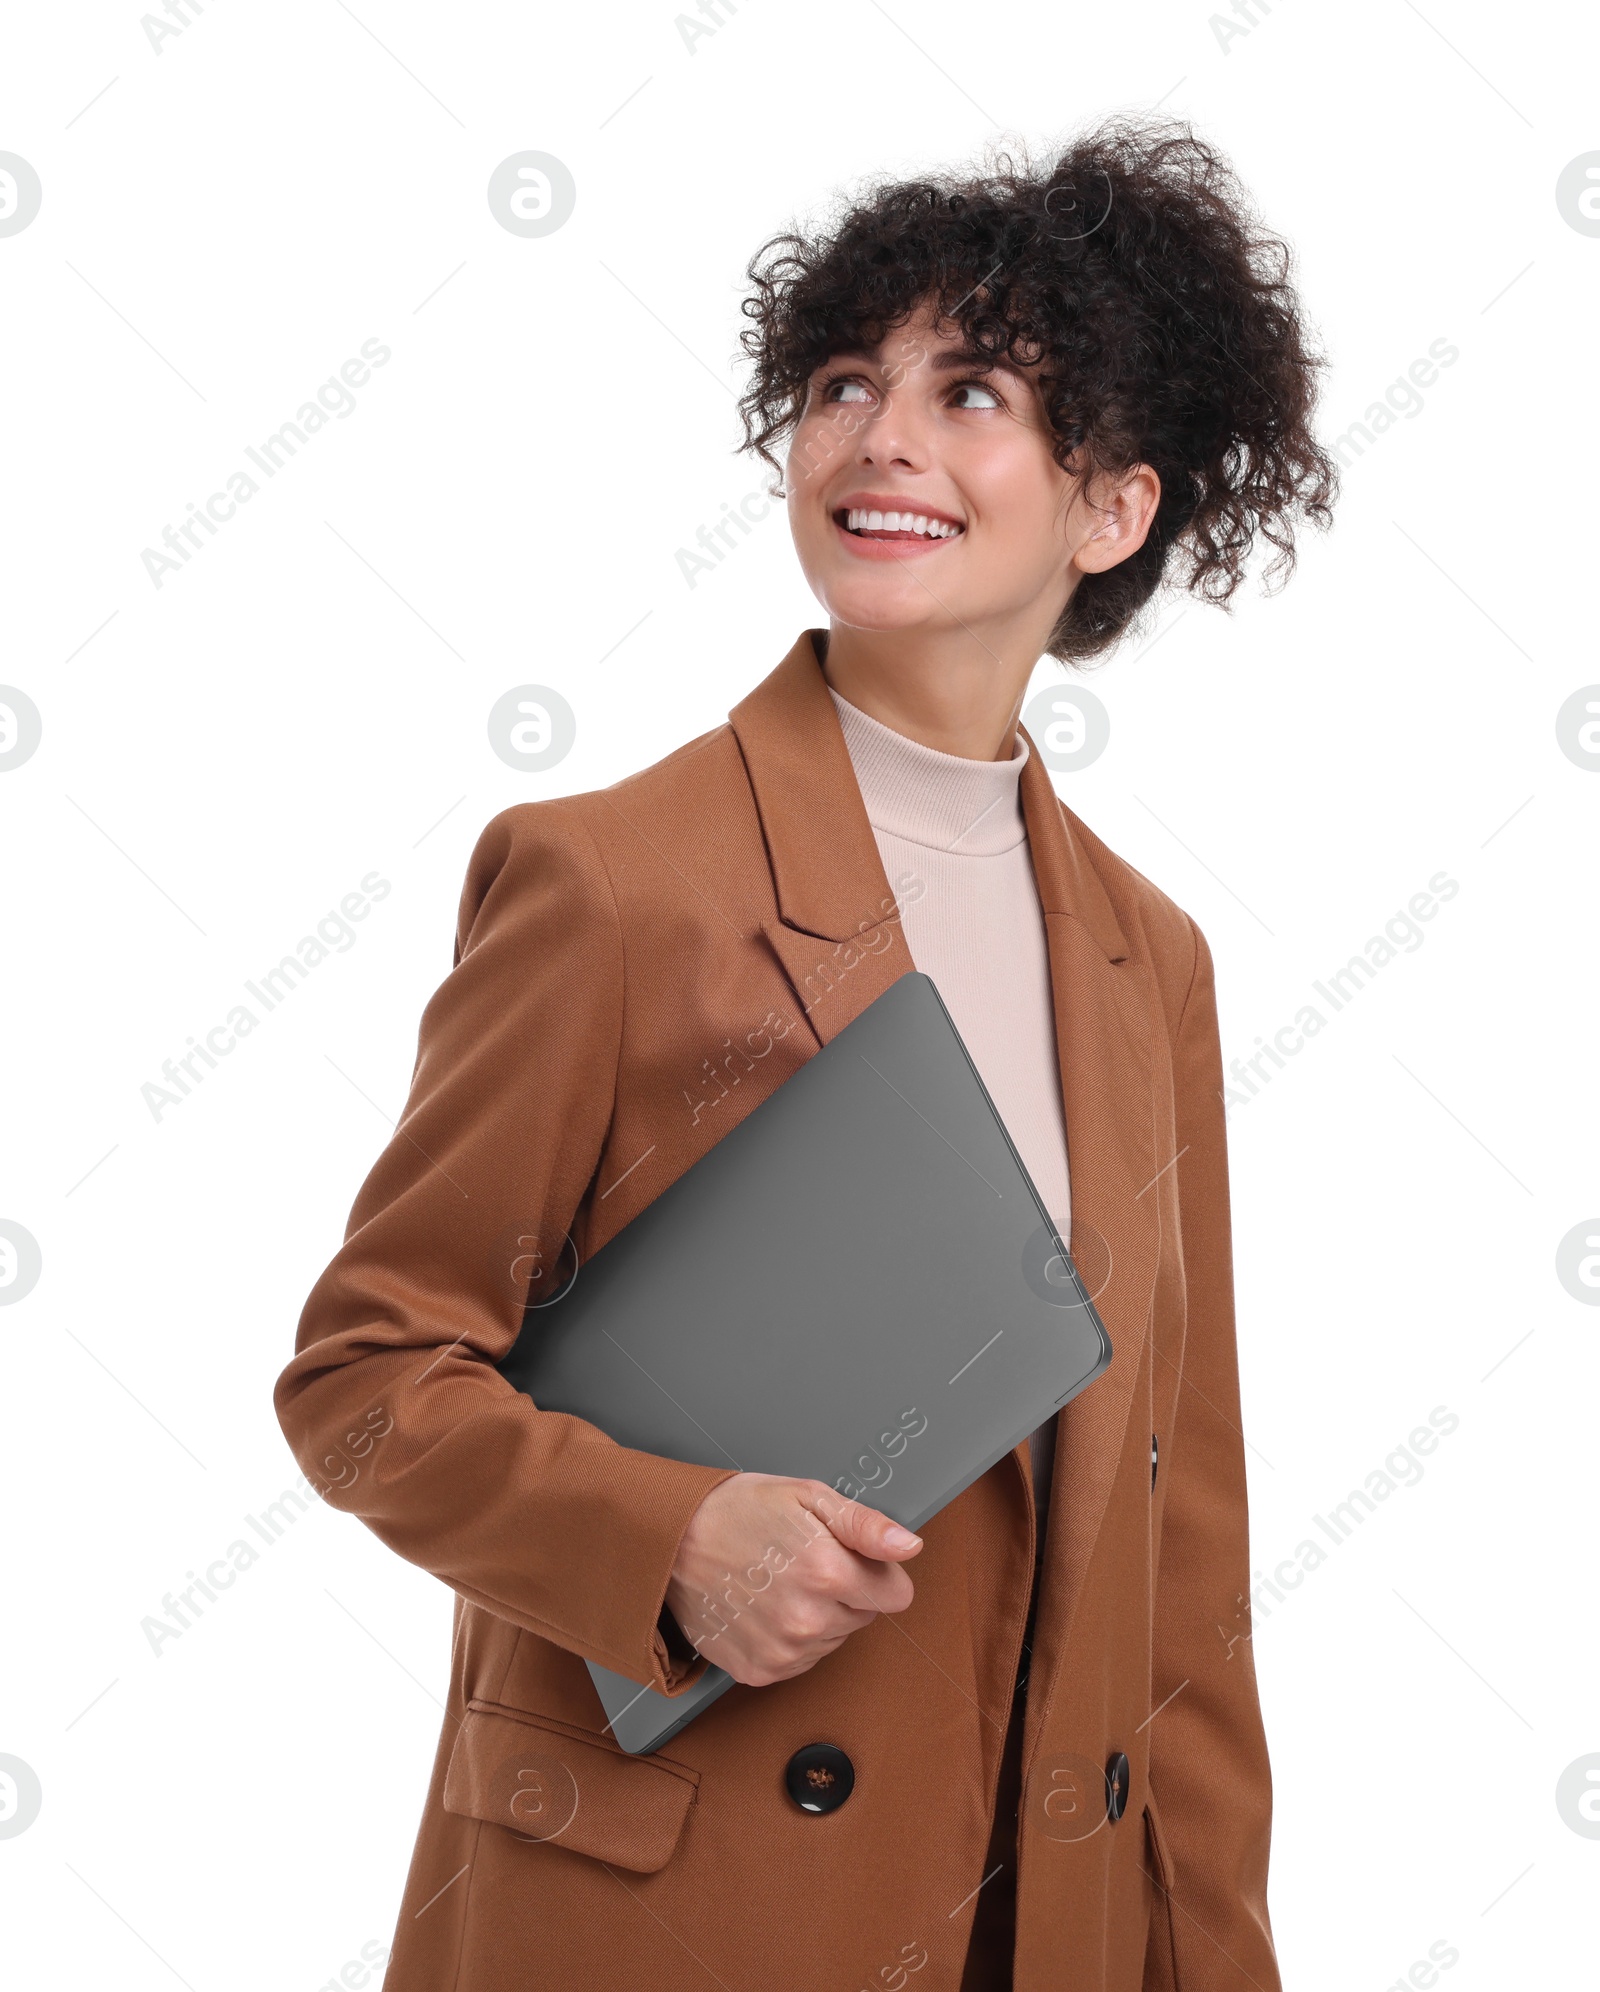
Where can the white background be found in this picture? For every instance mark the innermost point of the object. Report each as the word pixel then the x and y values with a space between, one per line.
pixel 224 757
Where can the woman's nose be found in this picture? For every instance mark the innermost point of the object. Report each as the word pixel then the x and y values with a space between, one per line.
pixel 892 438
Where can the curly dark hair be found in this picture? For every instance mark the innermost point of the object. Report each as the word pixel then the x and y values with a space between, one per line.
pixel 1135 272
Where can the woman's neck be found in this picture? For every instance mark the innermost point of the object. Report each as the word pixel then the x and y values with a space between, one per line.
pixel 961 700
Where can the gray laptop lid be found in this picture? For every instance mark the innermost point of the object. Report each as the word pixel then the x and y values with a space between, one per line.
pixel 857 1284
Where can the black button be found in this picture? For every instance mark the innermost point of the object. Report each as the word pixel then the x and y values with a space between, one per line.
pixel 820 1777
pixel 1152 1462
pixel 1118 1778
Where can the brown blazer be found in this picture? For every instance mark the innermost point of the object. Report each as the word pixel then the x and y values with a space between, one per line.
pixel 635 969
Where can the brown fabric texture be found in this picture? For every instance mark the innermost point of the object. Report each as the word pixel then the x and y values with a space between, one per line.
pixel 635 968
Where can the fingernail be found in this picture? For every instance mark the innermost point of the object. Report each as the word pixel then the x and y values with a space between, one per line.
pixel 898 1538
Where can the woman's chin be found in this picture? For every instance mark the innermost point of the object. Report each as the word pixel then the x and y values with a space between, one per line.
pixel 895 603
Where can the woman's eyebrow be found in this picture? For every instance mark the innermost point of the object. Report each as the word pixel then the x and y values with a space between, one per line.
pixel 948 360
pixel 955 360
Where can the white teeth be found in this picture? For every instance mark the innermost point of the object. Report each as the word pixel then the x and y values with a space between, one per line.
pixel 859 520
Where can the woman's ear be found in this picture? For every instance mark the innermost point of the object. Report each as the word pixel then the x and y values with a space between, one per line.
pixel 1116 522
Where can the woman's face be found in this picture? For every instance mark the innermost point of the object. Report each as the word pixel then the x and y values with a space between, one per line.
pixel 923 494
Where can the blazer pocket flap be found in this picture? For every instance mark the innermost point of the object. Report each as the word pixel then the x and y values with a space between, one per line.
pixel 546 1781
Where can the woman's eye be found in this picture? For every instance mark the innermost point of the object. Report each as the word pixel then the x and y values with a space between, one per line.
pixel 990 398
pixel 845 390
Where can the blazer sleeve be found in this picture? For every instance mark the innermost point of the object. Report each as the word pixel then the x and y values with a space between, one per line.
pixel 392 1404
pixel 1208 1767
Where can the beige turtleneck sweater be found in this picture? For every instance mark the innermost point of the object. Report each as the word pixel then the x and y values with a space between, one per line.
pixel 977 929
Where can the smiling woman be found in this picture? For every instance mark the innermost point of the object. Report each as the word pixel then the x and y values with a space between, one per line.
pixel 1120 315
pixel 1013 1750
pixel 968 502
pixel 1122 305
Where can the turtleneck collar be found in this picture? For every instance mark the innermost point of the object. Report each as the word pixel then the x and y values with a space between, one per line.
pixel 969 808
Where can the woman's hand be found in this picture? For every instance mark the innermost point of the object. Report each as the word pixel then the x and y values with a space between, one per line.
pixel 773 1573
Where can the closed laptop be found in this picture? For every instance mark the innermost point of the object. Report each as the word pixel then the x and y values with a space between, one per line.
pixel 857 1284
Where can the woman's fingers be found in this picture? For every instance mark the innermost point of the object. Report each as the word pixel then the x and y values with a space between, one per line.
pixel 813 1567
pixel 860 1528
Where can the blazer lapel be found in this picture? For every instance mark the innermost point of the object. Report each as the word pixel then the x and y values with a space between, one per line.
pixel 838 938
pixel 837 932
pixel 1103 1005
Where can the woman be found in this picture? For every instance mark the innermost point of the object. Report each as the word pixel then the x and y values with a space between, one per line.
pixel 1013 405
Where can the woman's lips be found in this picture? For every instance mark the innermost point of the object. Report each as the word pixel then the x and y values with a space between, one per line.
pixel 891 546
